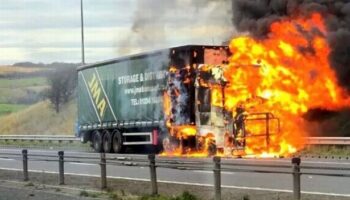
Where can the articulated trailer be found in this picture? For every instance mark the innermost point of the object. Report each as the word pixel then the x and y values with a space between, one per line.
pixel 161 99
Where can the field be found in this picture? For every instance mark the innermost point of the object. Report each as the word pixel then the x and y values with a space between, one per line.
pixel 17 93
pixel 21 90
pixel 23 105
pixel 22 82
pixel 21 85
pixel 5 69
pixel 10 108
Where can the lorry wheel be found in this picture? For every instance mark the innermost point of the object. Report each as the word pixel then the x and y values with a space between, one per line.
pixel 84 137
pixel 117 142
pixel 97 141
pixel 107 142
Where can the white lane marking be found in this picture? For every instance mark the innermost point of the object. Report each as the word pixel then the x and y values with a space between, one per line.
pixel 210 172
pixel 188 183
pixel 7 159
pixel 88 164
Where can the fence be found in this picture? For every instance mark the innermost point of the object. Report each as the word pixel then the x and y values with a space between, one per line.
pixel 59 138
pixel 217 165
pixel 328 140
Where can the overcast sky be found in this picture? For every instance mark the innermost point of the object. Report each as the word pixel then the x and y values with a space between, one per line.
pixel 49 30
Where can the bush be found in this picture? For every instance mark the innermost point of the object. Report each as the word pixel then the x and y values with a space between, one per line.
pixel 184 196
pixel 84 193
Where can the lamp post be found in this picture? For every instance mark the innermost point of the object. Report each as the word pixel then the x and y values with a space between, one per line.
pixel 82 33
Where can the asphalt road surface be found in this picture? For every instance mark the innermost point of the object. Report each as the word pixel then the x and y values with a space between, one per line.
pixel 310 184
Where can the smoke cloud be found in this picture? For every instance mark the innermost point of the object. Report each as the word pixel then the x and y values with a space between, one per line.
pixel 162 24
pixel 255 17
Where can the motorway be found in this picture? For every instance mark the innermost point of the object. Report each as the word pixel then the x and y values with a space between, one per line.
pixel 311 184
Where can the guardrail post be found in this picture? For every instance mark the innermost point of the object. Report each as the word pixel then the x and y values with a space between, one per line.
pixel 153 173
pixel 61 167
pixel 296 178
pixel 217 177
pixel 103 171
pixel 25 164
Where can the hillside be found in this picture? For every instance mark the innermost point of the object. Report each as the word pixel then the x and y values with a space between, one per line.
pixel 21 87
pixel 40 119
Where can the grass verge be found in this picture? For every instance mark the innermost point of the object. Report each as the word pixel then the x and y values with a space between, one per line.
pixel 121 195
pixel 326 150
pixel 184 196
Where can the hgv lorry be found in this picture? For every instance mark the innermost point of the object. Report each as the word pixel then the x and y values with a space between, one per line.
pixel 161 99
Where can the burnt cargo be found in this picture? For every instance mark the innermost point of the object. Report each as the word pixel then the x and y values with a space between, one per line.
pixel 121 101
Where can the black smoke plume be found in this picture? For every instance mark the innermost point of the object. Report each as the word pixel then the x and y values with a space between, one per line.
pixel 255 17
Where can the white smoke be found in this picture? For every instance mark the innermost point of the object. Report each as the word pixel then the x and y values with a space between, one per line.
pixel 162 24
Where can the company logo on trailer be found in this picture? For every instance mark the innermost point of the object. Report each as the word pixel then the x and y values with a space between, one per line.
pixel 95 90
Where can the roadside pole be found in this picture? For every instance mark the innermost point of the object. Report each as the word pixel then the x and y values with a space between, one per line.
pixel 61 167
pixel 153 173
pixel 103 171
pixel 296 178
pixel 25 164
pixel 217 177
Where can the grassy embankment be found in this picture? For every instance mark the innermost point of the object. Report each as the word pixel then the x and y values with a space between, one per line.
pixel 326 151
pixel 40 118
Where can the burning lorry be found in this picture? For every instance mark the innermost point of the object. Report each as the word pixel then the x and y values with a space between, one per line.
pixel 171 100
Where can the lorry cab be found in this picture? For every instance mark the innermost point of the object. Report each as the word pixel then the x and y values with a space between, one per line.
pixel 227 130
pixel 217 126
pixel 214 122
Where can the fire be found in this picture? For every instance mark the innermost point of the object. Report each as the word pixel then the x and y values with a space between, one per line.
pixel 294 76
pixel 287 73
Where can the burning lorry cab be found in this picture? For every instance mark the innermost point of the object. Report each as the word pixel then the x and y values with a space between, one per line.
pixel 171 100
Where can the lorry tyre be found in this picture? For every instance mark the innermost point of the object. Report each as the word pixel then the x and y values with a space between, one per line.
pixel 84 137
pixel 97 141
pixel 117 142
pixel 107 142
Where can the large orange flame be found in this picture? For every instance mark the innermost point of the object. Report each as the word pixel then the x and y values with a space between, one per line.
pixel 286 73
